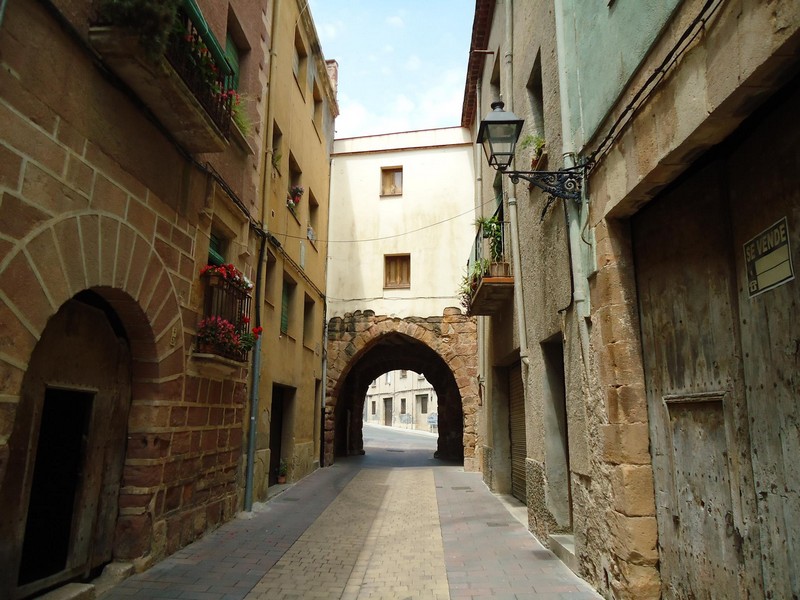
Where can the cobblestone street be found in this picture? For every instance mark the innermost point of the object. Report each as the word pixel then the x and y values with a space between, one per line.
pixel 394 523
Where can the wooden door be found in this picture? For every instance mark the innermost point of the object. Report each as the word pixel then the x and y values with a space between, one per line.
pixel 387 412
pixel 695 395
pixel 764 196
pixel 519 449
pixel 67 452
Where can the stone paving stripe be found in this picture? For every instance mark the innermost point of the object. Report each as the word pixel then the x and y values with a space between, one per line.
pixel 489 556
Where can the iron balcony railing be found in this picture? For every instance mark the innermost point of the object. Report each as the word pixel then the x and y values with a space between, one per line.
pixel 490 254
pixel 196 58
pixel 231 302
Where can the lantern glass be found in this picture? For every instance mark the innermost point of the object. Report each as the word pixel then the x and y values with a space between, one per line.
pixel 498 134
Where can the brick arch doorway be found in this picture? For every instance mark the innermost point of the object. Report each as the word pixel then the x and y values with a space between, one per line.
pixel 362 346
pixel 68 447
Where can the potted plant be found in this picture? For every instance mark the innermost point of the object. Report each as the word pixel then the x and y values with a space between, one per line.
pixel 152 20
pixel 283 468
pixel 469 282
pixel 293 198
pixel 219 275
pixel 492 230
pixel 248 340
pixel 216 335
pixel 538 153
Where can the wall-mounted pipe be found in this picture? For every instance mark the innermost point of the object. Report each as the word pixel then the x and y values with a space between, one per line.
pixel 519 292
pixel 576 213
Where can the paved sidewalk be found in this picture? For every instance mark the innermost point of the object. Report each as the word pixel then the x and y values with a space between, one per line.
pixel 392 524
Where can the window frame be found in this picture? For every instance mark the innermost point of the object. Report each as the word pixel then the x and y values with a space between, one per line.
pixel 396 169
pixel 402 284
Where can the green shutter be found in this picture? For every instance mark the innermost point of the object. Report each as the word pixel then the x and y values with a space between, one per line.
pixel 285 309
pixel 232 54
pixel 215 256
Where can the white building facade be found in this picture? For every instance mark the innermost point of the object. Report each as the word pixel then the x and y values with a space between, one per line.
pixel 402 399
pixel 401 227
pixel 401 222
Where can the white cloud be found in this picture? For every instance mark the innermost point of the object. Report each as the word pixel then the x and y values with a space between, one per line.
pixel 396 21
pixel 404 104
pixel 330 30
pixel 413 63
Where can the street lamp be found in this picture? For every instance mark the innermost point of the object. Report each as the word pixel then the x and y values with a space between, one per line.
pixel 498 134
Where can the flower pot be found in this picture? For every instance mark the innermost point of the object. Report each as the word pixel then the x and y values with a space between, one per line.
pixel 206 348
pixel 215 280
pixel 499 269
pixel 281 478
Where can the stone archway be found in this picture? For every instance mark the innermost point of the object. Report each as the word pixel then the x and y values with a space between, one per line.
pixel 362 346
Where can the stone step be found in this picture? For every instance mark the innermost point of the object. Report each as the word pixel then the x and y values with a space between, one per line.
pixel 563 546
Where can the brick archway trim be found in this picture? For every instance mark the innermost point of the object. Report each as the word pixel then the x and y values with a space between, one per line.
pixel 99 251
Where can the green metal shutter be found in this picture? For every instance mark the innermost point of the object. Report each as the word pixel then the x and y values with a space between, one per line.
pixel 285 309
pixel 232 54
pixel 215 256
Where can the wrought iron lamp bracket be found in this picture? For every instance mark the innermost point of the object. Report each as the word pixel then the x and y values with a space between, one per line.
pixel 566 183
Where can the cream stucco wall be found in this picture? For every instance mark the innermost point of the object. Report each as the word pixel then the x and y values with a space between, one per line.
pixel 432 220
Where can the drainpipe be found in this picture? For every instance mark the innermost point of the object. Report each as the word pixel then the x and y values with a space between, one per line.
pixel 577 215
pixel 519 296
pixel 3 4
pixel 477 158
pixel 256 366
pixel 254 386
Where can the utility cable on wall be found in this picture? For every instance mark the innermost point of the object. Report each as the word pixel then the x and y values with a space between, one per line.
pixel 393 236
pixel 695 28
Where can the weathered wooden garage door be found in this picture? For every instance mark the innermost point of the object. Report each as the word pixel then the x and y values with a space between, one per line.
pixel 722 364
pixel 517 430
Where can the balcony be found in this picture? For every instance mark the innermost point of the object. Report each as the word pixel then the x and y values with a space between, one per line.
pixel 488 286
pixel 184 87
pixel 225 328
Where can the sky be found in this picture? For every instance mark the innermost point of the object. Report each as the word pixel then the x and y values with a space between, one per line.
pixel 402 64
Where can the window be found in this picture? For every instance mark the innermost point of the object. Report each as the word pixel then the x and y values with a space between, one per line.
pixel 269 279
pixel 313 218
pixel 277 147
pixel 295 176
pixel 317 115
pixel 403 374
pixel 374 407
pixel 300 61
pixel 397 271
pixel 422 401
pixel 308 321
pixel 388 377
pixel 391 181
pixel 536 98
pixel 287 296
pixel 402 406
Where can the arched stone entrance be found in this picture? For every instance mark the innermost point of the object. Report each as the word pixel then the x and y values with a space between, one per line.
pixel 362 346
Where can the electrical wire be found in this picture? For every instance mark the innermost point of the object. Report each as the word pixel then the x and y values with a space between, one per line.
pixel 388 237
